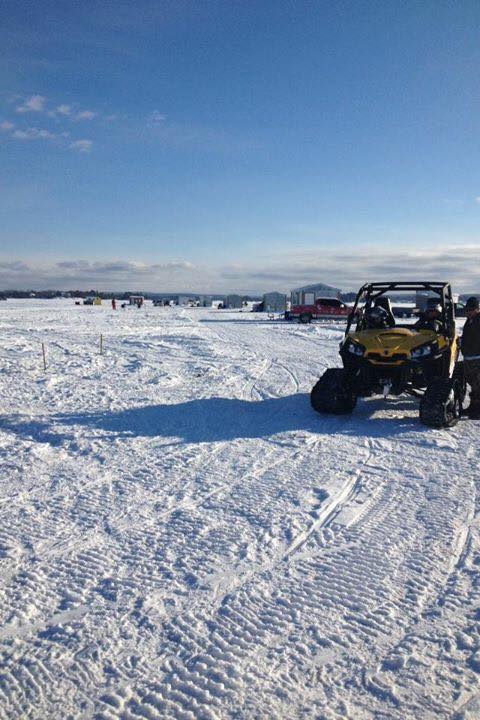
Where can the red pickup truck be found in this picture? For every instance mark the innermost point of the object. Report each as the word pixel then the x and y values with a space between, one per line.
pixel 329 308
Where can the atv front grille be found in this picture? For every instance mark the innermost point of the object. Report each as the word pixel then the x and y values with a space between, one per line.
pixel 377 357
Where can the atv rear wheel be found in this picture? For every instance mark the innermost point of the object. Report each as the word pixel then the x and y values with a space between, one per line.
pixel 459 376
pixel 332 393
pixel 441 405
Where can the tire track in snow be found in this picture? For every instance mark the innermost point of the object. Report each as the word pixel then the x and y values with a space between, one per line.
pixel 268 638
pixel 326 515
pixel 353 580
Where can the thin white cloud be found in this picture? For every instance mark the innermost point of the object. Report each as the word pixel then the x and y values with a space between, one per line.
pixel 33 134
pixel 64 110
pixel 6 126
pixel 35 103
pixel 85 115
pixel 81 146
pixel 155 119
pixel 477 199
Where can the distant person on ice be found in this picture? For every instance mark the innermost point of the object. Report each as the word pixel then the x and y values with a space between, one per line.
pixel 114 304
pixel 471 355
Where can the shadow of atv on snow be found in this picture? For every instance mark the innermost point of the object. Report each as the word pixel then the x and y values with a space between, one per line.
pixel 221 419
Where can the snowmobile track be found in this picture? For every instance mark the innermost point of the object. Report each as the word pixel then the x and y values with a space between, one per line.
pixel 304 567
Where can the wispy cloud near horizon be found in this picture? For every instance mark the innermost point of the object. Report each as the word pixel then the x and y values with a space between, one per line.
pixel 108 275
pixel 456 264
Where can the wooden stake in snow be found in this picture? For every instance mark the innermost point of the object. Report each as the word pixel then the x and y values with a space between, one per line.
pixel 101 344
pixel 44 357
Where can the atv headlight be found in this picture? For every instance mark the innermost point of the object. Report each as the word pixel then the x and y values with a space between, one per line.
pixel 423 351
pixel 354 348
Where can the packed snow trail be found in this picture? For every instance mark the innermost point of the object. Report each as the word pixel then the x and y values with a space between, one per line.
pixel 183 537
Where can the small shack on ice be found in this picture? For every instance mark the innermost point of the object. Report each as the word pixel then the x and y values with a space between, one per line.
pixel 233 302
pixel 309 293
pixel 274 302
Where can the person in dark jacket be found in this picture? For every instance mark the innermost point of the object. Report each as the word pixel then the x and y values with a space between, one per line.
pixel 431 318
pixel 470 346
pixel 376 318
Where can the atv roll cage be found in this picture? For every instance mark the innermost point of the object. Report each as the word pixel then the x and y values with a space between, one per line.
pixel 371 292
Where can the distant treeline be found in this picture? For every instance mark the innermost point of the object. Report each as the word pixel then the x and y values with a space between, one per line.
pixel 49 294
pixel 64 293
pixel 346 296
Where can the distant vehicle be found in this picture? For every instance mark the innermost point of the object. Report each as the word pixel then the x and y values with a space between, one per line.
pixel 322 308
pixel 92 300
pixel 403 311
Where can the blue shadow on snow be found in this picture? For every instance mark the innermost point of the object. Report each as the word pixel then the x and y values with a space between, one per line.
pixel 219 419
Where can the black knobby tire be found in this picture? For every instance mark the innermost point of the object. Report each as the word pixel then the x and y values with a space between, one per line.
pixel 332 393
pixel 441 405
pixel 459 376
pixel 305 318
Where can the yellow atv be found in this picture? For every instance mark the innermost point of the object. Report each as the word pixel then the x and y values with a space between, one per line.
pixel 381 356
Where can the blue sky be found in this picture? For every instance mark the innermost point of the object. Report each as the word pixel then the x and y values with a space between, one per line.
pixel 236 145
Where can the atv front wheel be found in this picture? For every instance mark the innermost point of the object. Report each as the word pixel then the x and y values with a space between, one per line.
pixel 441 405
pixel 305 318
pixel 332 393
pixel 459 377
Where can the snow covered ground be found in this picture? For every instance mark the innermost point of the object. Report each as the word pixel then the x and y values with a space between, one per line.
pixel 182 537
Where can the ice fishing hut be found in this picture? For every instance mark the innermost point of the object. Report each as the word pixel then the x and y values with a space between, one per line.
pixel 309 293
pixel 137 300
pixel 233 302
pixel 274 302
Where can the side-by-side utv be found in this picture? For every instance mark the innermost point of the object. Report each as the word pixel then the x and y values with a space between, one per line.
pixel 381 356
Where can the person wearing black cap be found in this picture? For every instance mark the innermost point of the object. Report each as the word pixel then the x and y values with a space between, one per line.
pixel 470 346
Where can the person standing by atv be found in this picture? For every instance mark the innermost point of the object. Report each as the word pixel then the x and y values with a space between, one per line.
pixel 470 346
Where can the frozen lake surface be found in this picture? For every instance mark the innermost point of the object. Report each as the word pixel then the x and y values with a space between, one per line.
pixel 182 537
